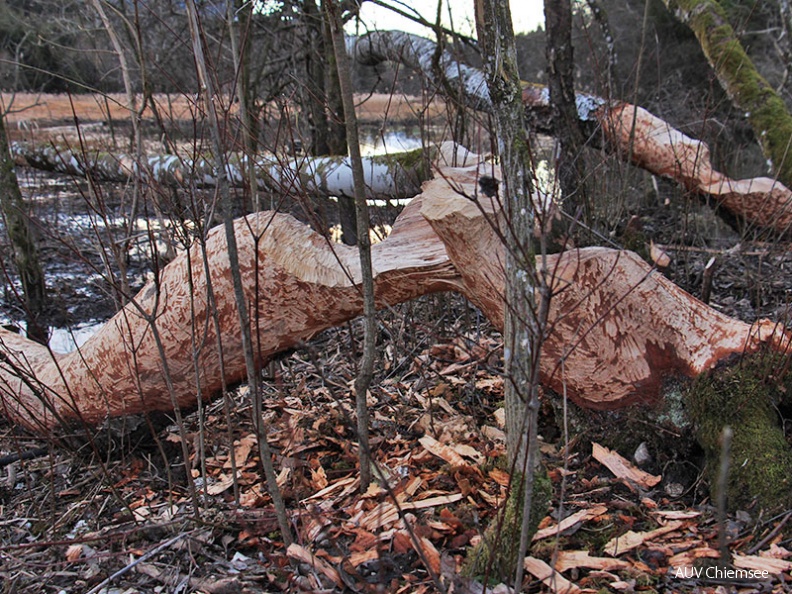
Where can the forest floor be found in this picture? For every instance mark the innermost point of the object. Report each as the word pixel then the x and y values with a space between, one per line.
pixel 121 511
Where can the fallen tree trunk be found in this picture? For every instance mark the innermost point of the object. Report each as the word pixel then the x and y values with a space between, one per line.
pixel 619 328
pixel 629 131
pixel 296 282
pixel 395 176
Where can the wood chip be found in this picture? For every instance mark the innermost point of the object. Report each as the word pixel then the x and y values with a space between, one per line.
pixel 623 469
pixel 549 576
pixel 223 483
pixel 360 557
pixel 351 481
pixel 442 451
pixel 569 521
pixel 676 515
pixel 658 255
pixel 630 540
pixel 757 563
pixel 300 553
pixel 572 559
pixel 688 558
pixel 428 554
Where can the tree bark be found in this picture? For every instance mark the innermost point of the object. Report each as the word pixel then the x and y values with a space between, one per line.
pixel 748 90
pixel 526 303
pixel 365 370
pixel 560 77
pixel 523 333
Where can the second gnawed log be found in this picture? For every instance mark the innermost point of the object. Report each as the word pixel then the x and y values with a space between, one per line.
pixel 617 327
pixel 627 130
pixel 388 177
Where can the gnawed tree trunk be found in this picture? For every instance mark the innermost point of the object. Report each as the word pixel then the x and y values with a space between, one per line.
pixel 655 145
pixel 297 282
pixel 617 329
pixel 620 327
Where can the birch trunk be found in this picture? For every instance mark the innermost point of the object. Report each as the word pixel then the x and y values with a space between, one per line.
pixel 395 176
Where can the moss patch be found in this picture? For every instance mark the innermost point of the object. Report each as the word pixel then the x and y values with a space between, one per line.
pixel 499 548
pixel 744 397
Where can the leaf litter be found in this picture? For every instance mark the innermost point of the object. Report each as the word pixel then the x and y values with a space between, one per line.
pixel 122 521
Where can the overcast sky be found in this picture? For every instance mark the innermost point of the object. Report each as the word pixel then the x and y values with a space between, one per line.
pixel 526 14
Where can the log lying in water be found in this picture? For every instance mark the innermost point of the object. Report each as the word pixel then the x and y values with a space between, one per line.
pixel 619 327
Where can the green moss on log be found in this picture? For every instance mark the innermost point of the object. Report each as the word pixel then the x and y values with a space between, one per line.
pixel 744 397
pixel 496 554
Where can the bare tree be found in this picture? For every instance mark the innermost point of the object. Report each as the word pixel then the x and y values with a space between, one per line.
pixel 366 368
pixel 22 238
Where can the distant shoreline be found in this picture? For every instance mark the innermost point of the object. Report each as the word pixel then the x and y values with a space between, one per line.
pixel 58 109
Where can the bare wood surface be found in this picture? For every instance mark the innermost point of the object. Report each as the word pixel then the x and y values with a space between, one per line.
pixel 630 131
pixel 297 285
pixel 617 327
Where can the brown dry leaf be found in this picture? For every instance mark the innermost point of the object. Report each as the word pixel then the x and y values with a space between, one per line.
pixel 499 476
pixel 571 559
pixel 549 576
pixel 242 450
pixel 442 451
pixel 630 540
pixel 439 390
pixel 300 553
pixel 757 563
pixel 569 521
pixel 622 468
